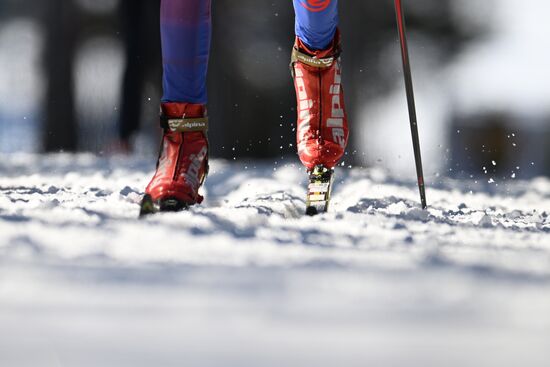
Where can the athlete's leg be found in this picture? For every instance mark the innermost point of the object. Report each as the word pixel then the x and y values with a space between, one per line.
pixel 316 22
pixel 185 31
pixel 183 160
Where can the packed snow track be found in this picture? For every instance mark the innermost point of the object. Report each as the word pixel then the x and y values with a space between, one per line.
pixel 247 280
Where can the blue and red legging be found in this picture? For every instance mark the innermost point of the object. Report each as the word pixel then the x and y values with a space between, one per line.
pixel 186 31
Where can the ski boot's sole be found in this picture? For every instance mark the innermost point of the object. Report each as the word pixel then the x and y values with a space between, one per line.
pixel 319 190
pixel 149 206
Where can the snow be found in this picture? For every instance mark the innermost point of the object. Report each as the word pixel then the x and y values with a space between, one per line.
pixel 247 280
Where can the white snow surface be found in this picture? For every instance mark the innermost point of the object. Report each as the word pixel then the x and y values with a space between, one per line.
pixel 247 280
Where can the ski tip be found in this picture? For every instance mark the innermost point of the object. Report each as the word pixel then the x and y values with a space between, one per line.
pixel 147 206
pixel 311 211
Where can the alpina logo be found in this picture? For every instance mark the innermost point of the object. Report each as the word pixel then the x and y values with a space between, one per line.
pixel 192 176
pixel 315 5
pixel 186 125
pixel 314 61
pixel 305 113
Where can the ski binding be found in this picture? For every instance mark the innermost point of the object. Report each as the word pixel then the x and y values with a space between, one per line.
pixel 319 190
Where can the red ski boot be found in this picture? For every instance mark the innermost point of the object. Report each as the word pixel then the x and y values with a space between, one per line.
pixel 322 132
pixel 183 161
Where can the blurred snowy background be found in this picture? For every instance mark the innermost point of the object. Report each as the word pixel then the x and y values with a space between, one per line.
pixel 480 70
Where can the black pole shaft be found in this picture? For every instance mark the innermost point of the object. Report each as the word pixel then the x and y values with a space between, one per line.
pixel 410 100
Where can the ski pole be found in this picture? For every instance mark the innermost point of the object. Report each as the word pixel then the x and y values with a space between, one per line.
pixel 410 100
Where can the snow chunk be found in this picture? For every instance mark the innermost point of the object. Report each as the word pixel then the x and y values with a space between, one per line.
pixel 486 222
